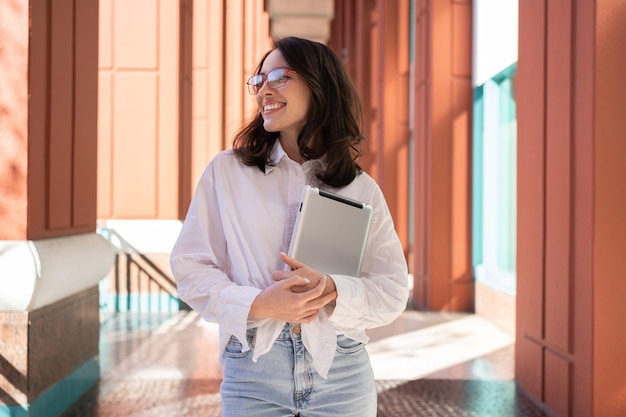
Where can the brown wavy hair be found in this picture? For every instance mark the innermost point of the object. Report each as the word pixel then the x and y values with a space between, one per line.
pixel 333 126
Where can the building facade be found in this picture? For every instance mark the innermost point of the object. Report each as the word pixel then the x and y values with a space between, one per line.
pixel 505 186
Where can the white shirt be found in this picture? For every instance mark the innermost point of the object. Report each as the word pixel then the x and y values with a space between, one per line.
pixel 241 218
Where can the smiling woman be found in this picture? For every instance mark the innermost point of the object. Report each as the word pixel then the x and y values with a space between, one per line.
pixel 275 313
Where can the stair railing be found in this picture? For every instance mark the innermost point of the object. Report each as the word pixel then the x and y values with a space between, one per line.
pixel 140 278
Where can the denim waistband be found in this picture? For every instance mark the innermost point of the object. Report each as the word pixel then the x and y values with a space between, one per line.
pixel 291 331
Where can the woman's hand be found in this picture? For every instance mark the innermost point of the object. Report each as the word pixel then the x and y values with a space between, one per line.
pixel 296 296
pixel 280 302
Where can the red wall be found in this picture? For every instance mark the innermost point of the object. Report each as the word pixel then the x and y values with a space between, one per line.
pixel 138 109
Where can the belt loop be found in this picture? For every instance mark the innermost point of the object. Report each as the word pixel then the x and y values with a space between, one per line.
pixel 251 337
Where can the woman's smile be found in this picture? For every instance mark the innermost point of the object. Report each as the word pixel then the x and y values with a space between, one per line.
pixel 273 106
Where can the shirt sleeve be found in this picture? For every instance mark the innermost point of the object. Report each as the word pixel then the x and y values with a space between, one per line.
pixel 199 264
pixel 380 294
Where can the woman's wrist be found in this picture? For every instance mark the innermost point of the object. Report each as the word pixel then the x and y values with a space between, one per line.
pixel 330 285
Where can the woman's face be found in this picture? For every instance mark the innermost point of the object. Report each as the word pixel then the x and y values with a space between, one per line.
pixel 284 109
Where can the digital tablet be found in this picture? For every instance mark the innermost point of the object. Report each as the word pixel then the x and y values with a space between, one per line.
pixel 330 232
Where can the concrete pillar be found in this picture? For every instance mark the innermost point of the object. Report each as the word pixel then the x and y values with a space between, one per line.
pixel 307 19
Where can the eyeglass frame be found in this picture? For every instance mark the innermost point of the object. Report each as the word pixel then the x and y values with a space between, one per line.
pixel 253 89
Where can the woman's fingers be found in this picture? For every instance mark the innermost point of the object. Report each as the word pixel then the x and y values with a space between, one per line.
pixel 291 262
pixel 319 288
pixel 280 302
pixel 305 305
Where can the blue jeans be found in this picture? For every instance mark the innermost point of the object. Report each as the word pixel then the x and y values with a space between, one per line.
pixel 283 382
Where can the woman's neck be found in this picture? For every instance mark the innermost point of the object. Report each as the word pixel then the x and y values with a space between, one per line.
pixel 291 148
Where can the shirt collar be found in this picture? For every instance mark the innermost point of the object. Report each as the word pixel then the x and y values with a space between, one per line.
pixel 279 153
pixel 276 155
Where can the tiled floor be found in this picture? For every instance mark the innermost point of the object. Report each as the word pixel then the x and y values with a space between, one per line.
pixel 425 364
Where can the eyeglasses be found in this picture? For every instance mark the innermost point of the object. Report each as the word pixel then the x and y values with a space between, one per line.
pixel 276 78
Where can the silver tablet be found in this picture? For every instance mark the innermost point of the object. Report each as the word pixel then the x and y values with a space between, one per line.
pixel 330 232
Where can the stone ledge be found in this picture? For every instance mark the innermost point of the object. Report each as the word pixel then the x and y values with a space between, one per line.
pixel 37 273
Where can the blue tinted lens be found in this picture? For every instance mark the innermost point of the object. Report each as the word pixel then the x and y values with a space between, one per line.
pixel 255 83
pixel 277 77
pixel 256 80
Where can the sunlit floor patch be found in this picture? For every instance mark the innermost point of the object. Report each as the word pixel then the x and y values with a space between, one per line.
pixel 416 354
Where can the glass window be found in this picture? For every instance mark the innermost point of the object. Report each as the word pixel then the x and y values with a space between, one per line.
pixel 494 182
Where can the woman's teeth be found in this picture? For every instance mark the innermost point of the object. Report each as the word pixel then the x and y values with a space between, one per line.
pixel 269 107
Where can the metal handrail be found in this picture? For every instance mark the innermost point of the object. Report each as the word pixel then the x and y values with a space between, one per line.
pixel 134 258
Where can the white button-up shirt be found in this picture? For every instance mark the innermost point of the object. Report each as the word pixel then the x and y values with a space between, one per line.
pixel 241 218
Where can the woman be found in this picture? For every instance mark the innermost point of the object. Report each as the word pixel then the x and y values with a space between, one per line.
pixel 292 338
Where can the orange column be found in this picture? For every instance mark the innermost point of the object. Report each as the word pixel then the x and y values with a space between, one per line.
pixel 609 263
pixel 49 123
pixel 442 154
pixel 392 134
pixel 530 197
pixel 570 203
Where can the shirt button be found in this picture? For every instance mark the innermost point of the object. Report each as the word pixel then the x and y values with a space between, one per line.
pixel 296 329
